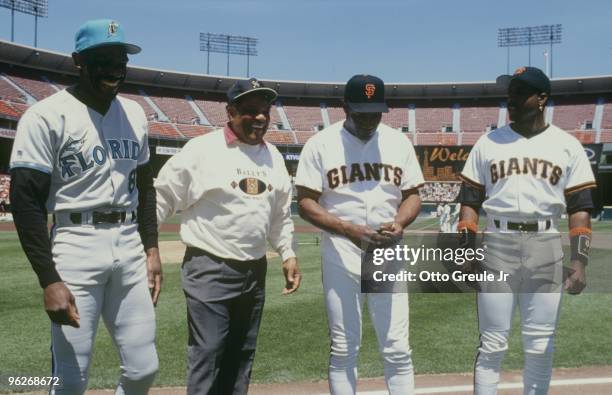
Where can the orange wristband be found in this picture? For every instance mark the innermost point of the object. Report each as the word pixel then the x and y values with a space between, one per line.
pixel 469 225
pixel 581 230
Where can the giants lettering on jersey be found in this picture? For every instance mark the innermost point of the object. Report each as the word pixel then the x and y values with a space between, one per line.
pixel 534 166
pixel 74 161
pixel 363 172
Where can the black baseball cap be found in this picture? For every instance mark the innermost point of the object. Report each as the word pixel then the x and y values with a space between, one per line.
pixel 532 76
pixel 248 87
pixel 365 93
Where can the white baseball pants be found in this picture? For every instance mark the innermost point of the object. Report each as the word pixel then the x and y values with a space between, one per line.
pixel 104 267
pixel 533 261
pixel 389 314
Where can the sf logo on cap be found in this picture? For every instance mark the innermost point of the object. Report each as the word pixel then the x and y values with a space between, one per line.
pixel 369 90
pixel 112 28
pixel 255 84
pixel 520 70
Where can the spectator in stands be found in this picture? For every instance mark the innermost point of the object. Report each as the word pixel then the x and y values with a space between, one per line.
pixel 5 182
pixel 439 191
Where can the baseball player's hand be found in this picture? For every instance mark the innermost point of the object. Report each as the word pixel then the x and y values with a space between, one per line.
pixel 363 236
pixel 469 266
pixel 60 305
pixel 291 270
pixel 154 273
pixel 576 281
pixel 392 231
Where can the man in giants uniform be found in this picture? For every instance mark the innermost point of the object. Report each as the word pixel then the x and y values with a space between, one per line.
pixel 358 182
pixel 525 176
pixel 82 155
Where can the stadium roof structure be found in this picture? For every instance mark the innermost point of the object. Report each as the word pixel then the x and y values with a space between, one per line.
pixel 36 58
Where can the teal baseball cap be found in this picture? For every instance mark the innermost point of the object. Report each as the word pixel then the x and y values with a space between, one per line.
pixel 100 33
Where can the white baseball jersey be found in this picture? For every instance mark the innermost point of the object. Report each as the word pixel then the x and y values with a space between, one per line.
pixel 527 178
pixel 92 158
pixel 361 181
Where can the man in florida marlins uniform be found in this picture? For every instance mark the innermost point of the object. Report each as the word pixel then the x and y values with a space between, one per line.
pixel 358 181
pixel 524 176
pixel 82 155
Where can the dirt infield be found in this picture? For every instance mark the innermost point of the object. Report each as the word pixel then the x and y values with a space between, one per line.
pixel 584 381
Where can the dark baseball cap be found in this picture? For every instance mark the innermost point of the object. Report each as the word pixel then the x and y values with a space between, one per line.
pixel 365 93
pixel 248 87
pixel 100 33
pixel 532 76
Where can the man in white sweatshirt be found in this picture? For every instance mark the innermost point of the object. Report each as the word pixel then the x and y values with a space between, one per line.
pixel 234 193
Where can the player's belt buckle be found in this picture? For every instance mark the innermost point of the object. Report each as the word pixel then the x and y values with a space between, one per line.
pixel 111 217
pixel 524 226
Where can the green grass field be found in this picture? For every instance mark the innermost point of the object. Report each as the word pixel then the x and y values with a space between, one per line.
pixel 293 342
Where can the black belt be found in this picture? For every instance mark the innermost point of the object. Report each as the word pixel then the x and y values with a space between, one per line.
pixel 195 251
pixel 523 226
pixel 109 217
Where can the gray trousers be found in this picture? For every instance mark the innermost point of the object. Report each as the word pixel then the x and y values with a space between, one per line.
pixel 225 300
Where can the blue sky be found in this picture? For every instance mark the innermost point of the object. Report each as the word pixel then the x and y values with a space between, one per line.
pixel 319 40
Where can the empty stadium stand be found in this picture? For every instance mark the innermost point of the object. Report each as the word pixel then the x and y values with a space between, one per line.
pixel 8 110
pixel 133 94
pixel 336 114
pixel 9 92
pixel 304 118
pixel 176 108
pixel 606 121
pixel 469 138
pixel 439 138
pixel 396 117
pixel 573 114
pixel 478 119
pixel 275 120
pixel 436 121
pixel 32 82
pixel 190 131
pixel 280 137
pixel 433 119
pixel 214 111
pixel 164 129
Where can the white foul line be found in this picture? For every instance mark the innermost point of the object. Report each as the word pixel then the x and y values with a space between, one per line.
pixel 464 388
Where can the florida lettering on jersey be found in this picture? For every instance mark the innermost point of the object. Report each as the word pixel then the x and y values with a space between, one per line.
pixel 73 161
pixel 529 166
pixel 364 172
pixel 92 159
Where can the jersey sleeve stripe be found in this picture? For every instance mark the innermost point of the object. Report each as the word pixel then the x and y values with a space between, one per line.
pixel 308 189
pixel 34 166
pixel 580 187
pixel 471 182
pixel 413 189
